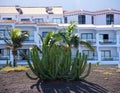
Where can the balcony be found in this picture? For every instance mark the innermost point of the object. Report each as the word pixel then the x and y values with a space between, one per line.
pixel 108 41
pixel 114 58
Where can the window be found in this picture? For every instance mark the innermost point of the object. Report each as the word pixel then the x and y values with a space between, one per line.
pixel 106 53
pixel 4 54
pixel 65 19
pixel 81 19
pixel 86 36
pixel 0 51
pixel 2 32
pixel 39 20
pixel 22 53
pixel 104 37
pixel 88 53
pixel 25 19
pixel 109 19
pixel 92 19
pixel 44 34
pixel 57 20
pixel 7 18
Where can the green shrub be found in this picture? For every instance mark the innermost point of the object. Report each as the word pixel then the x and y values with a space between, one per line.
pixel 56 63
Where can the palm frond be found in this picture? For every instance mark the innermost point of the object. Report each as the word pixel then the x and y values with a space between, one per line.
pixel 15 33
pixel 23 36
pixel 71 28
pixel 75 40
pixel 7 41
pixel 49 38
pixel 41 38
pixel 64 38
pixel 87 44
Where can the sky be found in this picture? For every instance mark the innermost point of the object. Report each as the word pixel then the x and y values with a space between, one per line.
pixel 90 5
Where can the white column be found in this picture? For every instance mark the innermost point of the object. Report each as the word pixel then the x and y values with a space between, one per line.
pixel 118 50
pixel 36 36
pixel 117 40
pixel 99 54
pixel 119 58
pixel 11 57
pixel 97 39
pixel 13 25
pixel 97 46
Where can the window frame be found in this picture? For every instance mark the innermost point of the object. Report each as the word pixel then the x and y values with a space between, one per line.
pixel 109 19
pixel 104 53
pixel 92 19
pixel 25 19
pixel 81 19
pixel 27 52
pixel 3 54
pixel 89 53
pixel 65 20
pixel 87 36
pixel 57 20
pixel 39 20
pixel 7 18
pixel 44 34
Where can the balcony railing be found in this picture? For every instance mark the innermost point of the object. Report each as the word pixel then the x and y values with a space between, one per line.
pixel 108 41
pixel 92 41
pixel 7 21
pixel 110 58
pixel 92 58
pixel 20 58
pixel 4 57
pixel 29 40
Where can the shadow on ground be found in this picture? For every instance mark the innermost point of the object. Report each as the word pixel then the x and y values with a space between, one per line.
pixel 68 87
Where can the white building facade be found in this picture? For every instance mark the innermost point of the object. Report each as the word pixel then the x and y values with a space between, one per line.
pixel 101 28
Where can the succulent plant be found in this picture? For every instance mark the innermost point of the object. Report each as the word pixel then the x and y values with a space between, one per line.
pixel 55 62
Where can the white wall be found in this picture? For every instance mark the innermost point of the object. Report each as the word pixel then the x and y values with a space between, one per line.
pixel 100 19
pixel 88 19
pixel 116 18
pixel 72 18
